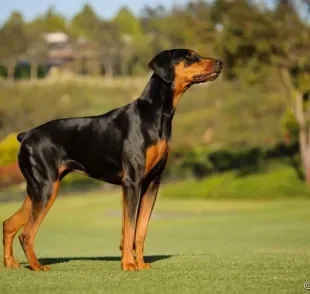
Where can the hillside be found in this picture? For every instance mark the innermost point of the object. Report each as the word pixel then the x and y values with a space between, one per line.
pixel 219 113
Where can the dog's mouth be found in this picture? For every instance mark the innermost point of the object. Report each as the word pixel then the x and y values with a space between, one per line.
pixel 206 77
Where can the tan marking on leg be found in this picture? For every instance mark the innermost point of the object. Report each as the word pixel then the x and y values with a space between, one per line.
pixel 123 221
pixel 145 211
pixel 10 228
pixel 31 228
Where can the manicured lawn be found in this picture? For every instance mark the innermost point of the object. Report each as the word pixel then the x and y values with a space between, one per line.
pixel 277 180
pixel 195 246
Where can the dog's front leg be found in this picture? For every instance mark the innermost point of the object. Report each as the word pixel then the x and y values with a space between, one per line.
pixel 131 197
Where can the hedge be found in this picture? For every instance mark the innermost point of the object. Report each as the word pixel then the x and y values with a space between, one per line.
pixel 9 149
pixel 202 162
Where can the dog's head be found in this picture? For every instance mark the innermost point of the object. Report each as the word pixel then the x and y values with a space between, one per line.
pixel 185 67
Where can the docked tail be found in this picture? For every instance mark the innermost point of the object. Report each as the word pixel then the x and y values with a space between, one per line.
pixel 21 136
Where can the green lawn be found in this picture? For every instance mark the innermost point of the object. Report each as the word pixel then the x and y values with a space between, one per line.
pixel 195 246
pixel 275 180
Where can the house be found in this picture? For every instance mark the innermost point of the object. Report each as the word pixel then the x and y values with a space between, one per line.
pixel 59 49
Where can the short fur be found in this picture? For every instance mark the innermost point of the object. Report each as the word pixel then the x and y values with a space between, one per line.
pixel 127 146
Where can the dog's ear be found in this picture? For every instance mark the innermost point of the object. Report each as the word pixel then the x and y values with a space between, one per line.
pixel 161 64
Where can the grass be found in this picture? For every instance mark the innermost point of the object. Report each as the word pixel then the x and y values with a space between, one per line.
pixel 276 180
pixel 232 113
pixel 195 246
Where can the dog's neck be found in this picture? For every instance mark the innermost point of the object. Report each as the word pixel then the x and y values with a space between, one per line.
pixel 162 99
pixel 161 95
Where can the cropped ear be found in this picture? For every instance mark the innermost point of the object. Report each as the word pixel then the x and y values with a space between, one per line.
pixel 161 64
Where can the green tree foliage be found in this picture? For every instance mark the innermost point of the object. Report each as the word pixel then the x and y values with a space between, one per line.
pixel 244 42
pixel 128 23
pixel 13 41
pixel 50 21
pixel 132 38
pixel 85 23
pixel 292 56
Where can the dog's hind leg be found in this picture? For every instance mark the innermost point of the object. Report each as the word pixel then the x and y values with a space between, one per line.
pixel 10 227
pixel 41 168
pixel 49 191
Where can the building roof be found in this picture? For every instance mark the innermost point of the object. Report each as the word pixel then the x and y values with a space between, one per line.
pixel 57 37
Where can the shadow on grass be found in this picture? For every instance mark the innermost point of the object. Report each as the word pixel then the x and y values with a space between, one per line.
pixel 56 260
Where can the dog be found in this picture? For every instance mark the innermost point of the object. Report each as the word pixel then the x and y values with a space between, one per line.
pixel 127 146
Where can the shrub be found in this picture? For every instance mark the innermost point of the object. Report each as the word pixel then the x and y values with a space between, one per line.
pixel 10 175
pixel 9 149
pixel 189 163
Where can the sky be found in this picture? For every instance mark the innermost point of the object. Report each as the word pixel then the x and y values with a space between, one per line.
pixel 105 8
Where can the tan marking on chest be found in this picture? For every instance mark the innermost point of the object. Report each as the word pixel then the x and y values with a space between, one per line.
pixel 154 154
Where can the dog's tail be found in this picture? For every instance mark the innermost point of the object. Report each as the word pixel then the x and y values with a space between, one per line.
pixel 21 136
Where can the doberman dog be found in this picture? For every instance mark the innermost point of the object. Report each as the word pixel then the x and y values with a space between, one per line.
pixel 127 146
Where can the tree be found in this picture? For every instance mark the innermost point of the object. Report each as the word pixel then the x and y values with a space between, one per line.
pixel 255 42
pixel 132 38
pixel 36 52
pixel 199 30
pixel 154 22
pixel 184 26
pixel 292 57
pixel 13 41
pixel 50 21
pixel 244 41
pixel 109 43
pixel 85 23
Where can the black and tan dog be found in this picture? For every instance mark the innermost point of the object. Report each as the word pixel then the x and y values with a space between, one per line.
pixel 127 146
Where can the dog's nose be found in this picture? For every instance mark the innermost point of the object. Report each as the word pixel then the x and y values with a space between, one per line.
pixel 219 64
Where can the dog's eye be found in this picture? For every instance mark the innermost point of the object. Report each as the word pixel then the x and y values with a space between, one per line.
pixel 189 55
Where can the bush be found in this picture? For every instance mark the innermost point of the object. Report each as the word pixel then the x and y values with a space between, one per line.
pixel 224 160
pixel 9 149
pixel 188 163
pixel 10 175
pixel 3 71
pixel 200 162
pixel 282 150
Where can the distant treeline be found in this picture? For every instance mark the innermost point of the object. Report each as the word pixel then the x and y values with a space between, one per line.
pixel 245 34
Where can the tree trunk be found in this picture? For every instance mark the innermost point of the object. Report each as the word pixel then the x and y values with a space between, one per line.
pixel 304 153
pixel 108 65
pixel 11 69
pixel 307 174
pixel 304 139
pixel 34 70
pixel 304 129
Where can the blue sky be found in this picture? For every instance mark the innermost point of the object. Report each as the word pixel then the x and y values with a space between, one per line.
pixel 105 8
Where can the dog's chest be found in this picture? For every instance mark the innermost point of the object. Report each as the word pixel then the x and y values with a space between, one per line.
pixel 154 154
